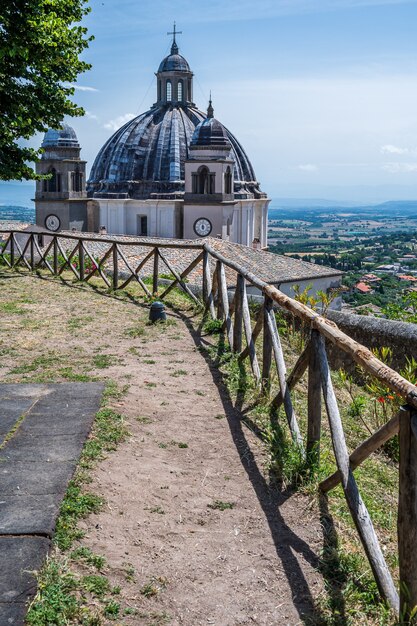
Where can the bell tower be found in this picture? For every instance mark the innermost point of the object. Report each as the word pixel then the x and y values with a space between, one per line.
pixel 209 171
pixel 61 199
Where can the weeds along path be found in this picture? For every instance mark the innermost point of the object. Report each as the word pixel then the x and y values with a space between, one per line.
pixel 192 532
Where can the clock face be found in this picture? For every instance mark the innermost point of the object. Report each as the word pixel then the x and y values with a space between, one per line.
pixel 52 222
pixel 202 227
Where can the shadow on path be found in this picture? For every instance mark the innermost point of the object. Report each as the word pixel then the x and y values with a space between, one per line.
pixel 287 543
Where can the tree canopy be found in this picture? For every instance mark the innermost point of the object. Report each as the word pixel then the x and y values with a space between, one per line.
pixel 40 44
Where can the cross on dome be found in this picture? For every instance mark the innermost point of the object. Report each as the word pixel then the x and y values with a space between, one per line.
pixel 174 47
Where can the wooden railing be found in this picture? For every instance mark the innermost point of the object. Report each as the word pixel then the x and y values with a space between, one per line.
pixel 110 259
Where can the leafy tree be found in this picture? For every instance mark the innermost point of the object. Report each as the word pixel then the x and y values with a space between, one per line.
pixel 40 44
pixel 404 310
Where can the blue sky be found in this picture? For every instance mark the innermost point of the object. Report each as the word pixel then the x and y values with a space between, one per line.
pixel 321 93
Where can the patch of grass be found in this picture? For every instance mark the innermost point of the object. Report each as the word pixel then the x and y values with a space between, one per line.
pixel 69 374
pixel 55 602
pixel 129 572
pixel 12 308
pixel 143 419
pixel 75 506
pixel 75 323
pixel 149 384
pixel 97 585
pixel 101 361
pixel 220 505
pixel 43 361
pixel 213 327
pixel 135 331
pixel 13 430
pixel 154 586
pixel 219 416
pixel 113 390
pixel 112 609
pixel 178 373
pixel 85 555
pixel 182 444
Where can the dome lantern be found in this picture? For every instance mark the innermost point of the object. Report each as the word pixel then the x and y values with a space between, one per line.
pixel 174 77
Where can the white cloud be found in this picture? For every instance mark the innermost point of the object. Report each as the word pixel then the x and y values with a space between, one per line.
pixel 119 121
pixel 307 167
pixel 80 87
pixel 399 168
pixel 91 116
pixel 390 149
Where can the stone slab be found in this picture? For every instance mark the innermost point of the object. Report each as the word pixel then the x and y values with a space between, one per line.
pixel 22 478
pixel 14 405
pixel 76 404
pixel 29 515
pixel 12 614
pixel 53 448
pixel 36 464
pixel 25 555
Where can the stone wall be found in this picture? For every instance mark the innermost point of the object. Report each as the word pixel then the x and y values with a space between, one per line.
pixel 374 332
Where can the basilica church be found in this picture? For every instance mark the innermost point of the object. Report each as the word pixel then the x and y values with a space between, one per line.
pixel 173 171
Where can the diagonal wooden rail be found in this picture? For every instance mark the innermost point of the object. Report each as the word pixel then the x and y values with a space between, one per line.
pixel 222 294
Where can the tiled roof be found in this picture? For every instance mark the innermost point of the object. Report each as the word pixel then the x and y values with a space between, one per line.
pixel 269 267
pixel 363 288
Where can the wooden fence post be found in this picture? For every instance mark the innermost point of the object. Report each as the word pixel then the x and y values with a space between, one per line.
pixel 55 255
pixel 356 505
pixel 220 310
pixel 32 251
pixel 208 285
pixel 267 345
pixel 12 246
pixel 407 514
pixel 314 403
pixel 237 327
pixel 206 276
pixel 81 260
pixel 155 272
pixel 115 268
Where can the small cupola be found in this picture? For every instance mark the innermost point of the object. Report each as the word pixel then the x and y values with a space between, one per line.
pixel 209 169
pixel 174 77
pixel 210 132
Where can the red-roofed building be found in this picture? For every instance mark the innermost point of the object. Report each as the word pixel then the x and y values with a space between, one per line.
pixel 371 278
pixel 406 277
pixel 363 288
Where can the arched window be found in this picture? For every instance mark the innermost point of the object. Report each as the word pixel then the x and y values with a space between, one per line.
pixel 179 91
pixel 53 184
pixel 228 181
pixel 169 91
pixel 203 180
pixel 76 180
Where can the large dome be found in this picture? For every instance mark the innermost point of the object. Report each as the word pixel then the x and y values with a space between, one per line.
pixel 146 157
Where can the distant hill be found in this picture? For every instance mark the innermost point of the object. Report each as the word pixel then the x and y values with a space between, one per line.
pixel 280 210
pixel 17 214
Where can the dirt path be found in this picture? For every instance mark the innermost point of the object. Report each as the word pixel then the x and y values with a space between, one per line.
pixel 189 458
pixel 191 531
